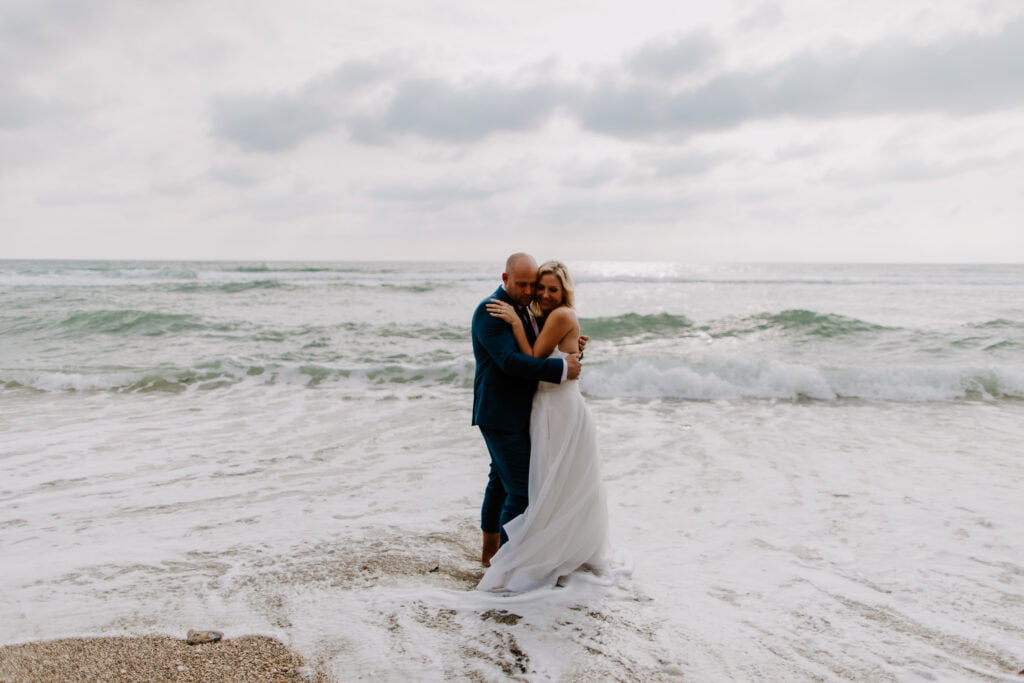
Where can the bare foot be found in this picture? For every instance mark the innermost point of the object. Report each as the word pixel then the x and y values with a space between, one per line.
pixel 491 543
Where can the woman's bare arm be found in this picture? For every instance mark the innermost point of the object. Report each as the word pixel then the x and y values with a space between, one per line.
pixel 559 324
pixel 500 309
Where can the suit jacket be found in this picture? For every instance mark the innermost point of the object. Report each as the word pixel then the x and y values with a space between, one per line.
pixel 505 378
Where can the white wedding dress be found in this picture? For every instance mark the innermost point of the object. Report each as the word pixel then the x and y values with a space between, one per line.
pixel 565 525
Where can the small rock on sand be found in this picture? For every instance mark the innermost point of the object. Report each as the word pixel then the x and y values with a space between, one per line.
pixel 196 637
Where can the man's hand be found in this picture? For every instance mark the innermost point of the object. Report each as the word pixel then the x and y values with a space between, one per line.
pixel 573 361
pixel 583 343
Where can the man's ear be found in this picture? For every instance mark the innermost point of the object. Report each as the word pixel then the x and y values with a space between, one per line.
pixel 504 278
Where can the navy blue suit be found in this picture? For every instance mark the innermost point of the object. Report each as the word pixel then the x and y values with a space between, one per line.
pixel 503 389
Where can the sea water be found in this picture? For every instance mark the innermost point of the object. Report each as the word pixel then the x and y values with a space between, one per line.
pixel 813 471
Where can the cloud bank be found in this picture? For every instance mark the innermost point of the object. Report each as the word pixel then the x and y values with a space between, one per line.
pixel 777 130
pixel 378 102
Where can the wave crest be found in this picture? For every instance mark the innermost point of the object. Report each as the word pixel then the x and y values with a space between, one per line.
pixel 634 324
pixel 812 323
pixel 796 322
pixel 734 378
pixel 220 374
pixel 228 287
pixel 129 321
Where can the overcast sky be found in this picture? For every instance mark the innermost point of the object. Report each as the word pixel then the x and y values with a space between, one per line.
pixel 790 130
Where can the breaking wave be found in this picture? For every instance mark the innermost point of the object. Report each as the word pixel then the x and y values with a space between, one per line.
pixel 737 378
pixel 725 378
pixel 794 322
pixel 221 374
pixel 633 325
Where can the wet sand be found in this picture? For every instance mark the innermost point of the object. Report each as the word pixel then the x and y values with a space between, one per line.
pixel 153 658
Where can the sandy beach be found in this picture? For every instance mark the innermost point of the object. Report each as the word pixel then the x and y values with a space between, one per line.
pixel 153 658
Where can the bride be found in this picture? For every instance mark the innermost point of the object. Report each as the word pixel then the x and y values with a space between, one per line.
pixel 565 525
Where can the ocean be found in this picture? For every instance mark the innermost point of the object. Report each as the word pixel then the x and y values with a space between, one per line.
pixel 813 471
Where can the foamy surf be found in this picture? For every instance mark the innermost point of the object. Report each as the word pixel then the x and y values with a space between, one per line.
pixel 814 468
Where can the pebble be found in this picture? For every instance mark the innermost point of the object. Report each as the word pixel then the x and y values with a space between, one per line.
pixel 195 637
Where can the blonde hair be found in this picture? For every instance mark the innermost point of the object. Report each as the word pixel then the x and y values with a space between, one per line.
pixel 561 271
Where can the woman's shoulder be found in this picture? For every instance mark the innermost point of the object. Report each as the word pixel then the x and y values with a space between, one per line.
pixel 562 314
pixel 563 311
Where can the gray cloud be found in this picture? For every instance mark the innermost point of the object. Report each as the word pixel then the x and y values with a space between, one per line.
pixel 434 108
pixel 435 194
pixel 35 35
pixel 684 164
pixel 18 107
pixel 667 59
pixel 963 75
pixel 273 122
pixel 270 123
pixel 960 76
pixel 34 31
pixel 376 101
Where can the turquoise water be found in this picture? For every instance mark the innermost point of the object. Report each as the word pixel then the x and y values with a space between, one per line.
pixel 660 330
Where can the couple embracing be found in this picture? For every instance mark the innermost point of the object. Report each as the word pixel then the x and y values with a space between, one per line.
pixel 544 513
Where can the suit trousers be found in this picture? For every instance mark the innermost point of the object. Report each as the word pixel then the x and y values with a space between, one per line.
pixel 506 495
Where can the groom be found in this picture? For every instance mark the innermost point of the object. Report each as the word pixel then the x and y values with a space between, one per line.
pixel 503 395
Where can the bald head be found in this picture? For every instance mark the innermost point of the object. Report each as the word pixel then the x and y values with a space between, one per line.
pixel 520 259
pixel 520 278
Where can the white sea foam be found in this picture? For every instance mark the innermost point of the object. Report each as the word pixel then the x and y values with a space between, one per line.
pixel 733 378
pixel 724 379
pixel 774 540
pixel 70 381
pixel 318 479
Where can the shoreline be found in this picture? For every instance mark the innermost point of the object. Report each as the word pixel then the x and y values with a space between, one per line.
pixel 155 658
